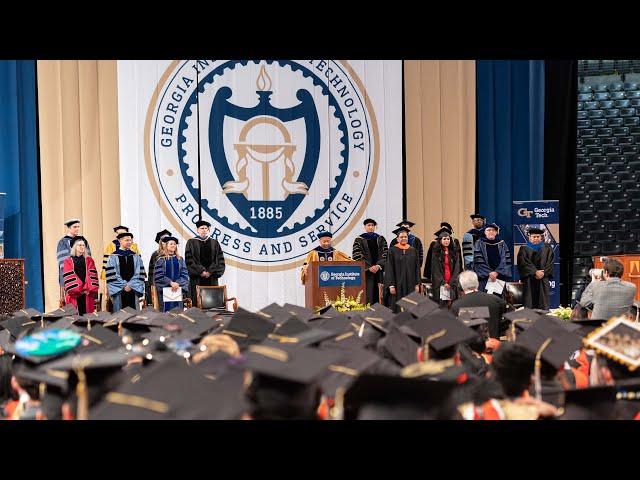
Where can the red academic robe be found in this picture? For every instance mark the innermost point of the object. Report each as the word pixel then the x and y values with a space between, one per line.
pixel 74 286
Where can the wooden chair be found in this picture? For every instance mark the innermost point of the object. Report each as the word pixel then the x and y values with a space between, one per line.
pixel 155 303
pixel 214 298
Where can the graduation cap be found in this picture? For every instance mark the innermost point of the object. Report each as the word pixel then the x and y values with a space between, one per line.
pixel 292 326
pixel 477 215
pixel 77 238
pixel 124 234
pixel 161 234
pixel 120 227
pixel 395 397
pixel 473 312
pixel 42 374
pixel 31 313
pixel 19 325
pixel 369 220
pixel 173 390
pixel 590 403
pixel 443 232
pixel 619 340
pixel 587 325
pixel 405 222
pixel 349 340
pixel 438 370
pixel 476 318
pixel 343 373
pixel 412 300
pixel 447 226
pixel 399 230
pixel 274 313
pixel 494 226
pixel 196 320
pixel 100 337
pixel 68 310
pixel 71 221
pixel 299 365
pixel 380 311
pixel 553 343
pixel 441 330
pixel 302 313
pixel 521 320
pixel 247 328
pixel 325 234
pixel 309 337
pixel 402 318
pixel 398 346
pixel 328 311
pixel 339 324
pixel 535 231
pixel 202 223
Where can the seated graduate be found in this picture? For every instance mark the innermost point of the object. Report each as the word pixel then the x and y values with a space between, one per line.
pixel 125 275
pixel 324 252
pixel 170 271
pixel 80 277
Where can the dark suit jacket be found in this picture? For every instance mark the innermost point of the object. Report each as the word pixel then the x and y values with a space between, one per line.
pixel 497 307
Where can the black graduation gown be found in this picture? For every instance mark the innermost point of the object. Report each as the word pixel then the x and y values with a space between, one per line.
pixel 427 263
pixel 437 271
pixel 362 251
pixel 417 244
pixel 194 256
pixel 152 268
pixel 536 292
pixel 403 272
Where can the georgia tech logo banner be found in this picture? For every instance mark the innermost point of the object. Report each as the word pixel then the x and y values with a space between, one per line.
pixel 270 152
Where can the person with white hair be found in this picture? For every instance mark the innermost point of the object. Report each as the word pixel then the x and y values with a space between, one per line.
pixel 471 297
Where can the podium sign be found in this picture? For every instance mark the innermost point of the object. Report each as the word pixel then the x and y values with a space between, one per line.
pixel 328 277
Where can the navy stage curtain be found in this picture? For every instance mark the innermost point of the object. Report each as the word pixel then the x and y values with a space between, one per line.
pixel 19 172
pixel 510 137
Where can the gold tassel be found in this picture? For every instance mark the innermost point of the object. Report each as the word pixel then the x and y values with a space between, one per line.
pixel 538 366
pixel 425 345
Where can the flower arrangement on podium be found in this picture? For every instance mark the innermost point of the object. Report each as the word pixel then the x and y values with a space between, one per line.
pixel 342 303
pixel 563 313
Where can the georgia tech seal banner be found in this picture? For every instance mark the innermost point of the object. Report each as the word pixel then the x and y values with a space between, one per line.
pixel 270 152
pixel 543 214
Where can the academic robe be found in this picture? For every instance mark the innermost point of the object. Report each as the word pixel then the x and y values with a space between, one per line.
pixel 111 247
pixel 438 272
pixel 427 263
pixel 150 284
pixel 403 272
pixel 320 254
pixel 63 250
pixel 123 270
pixel 203 255
pixel 536 292
pixel 362 251
pixel 414 242
pixel 167 270
pixel 80 283
pixel 482 264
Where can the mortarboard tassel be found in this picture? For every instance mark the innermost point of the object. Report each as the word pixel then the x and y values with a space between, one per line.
pixel 538 366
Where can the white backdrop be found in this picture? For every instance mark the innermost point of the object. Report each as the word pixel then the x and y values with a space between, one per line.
pixel 330 130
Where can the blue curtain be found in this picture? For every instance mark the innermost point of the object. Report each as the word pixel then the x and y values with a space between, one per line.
pixel 19 172
pixel 510 137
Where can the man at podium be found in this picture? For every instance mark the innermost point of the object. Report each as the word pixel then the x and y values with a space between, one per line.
pixel 324 252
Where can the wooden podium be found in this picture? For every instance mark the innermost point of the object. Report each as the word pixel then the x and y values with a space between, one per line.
pixel 328 277
pixel 631 265
pixel 12 285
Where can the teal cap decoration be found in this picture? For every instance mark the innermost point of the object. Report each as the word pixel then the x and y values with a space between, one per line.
pixel 47 342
